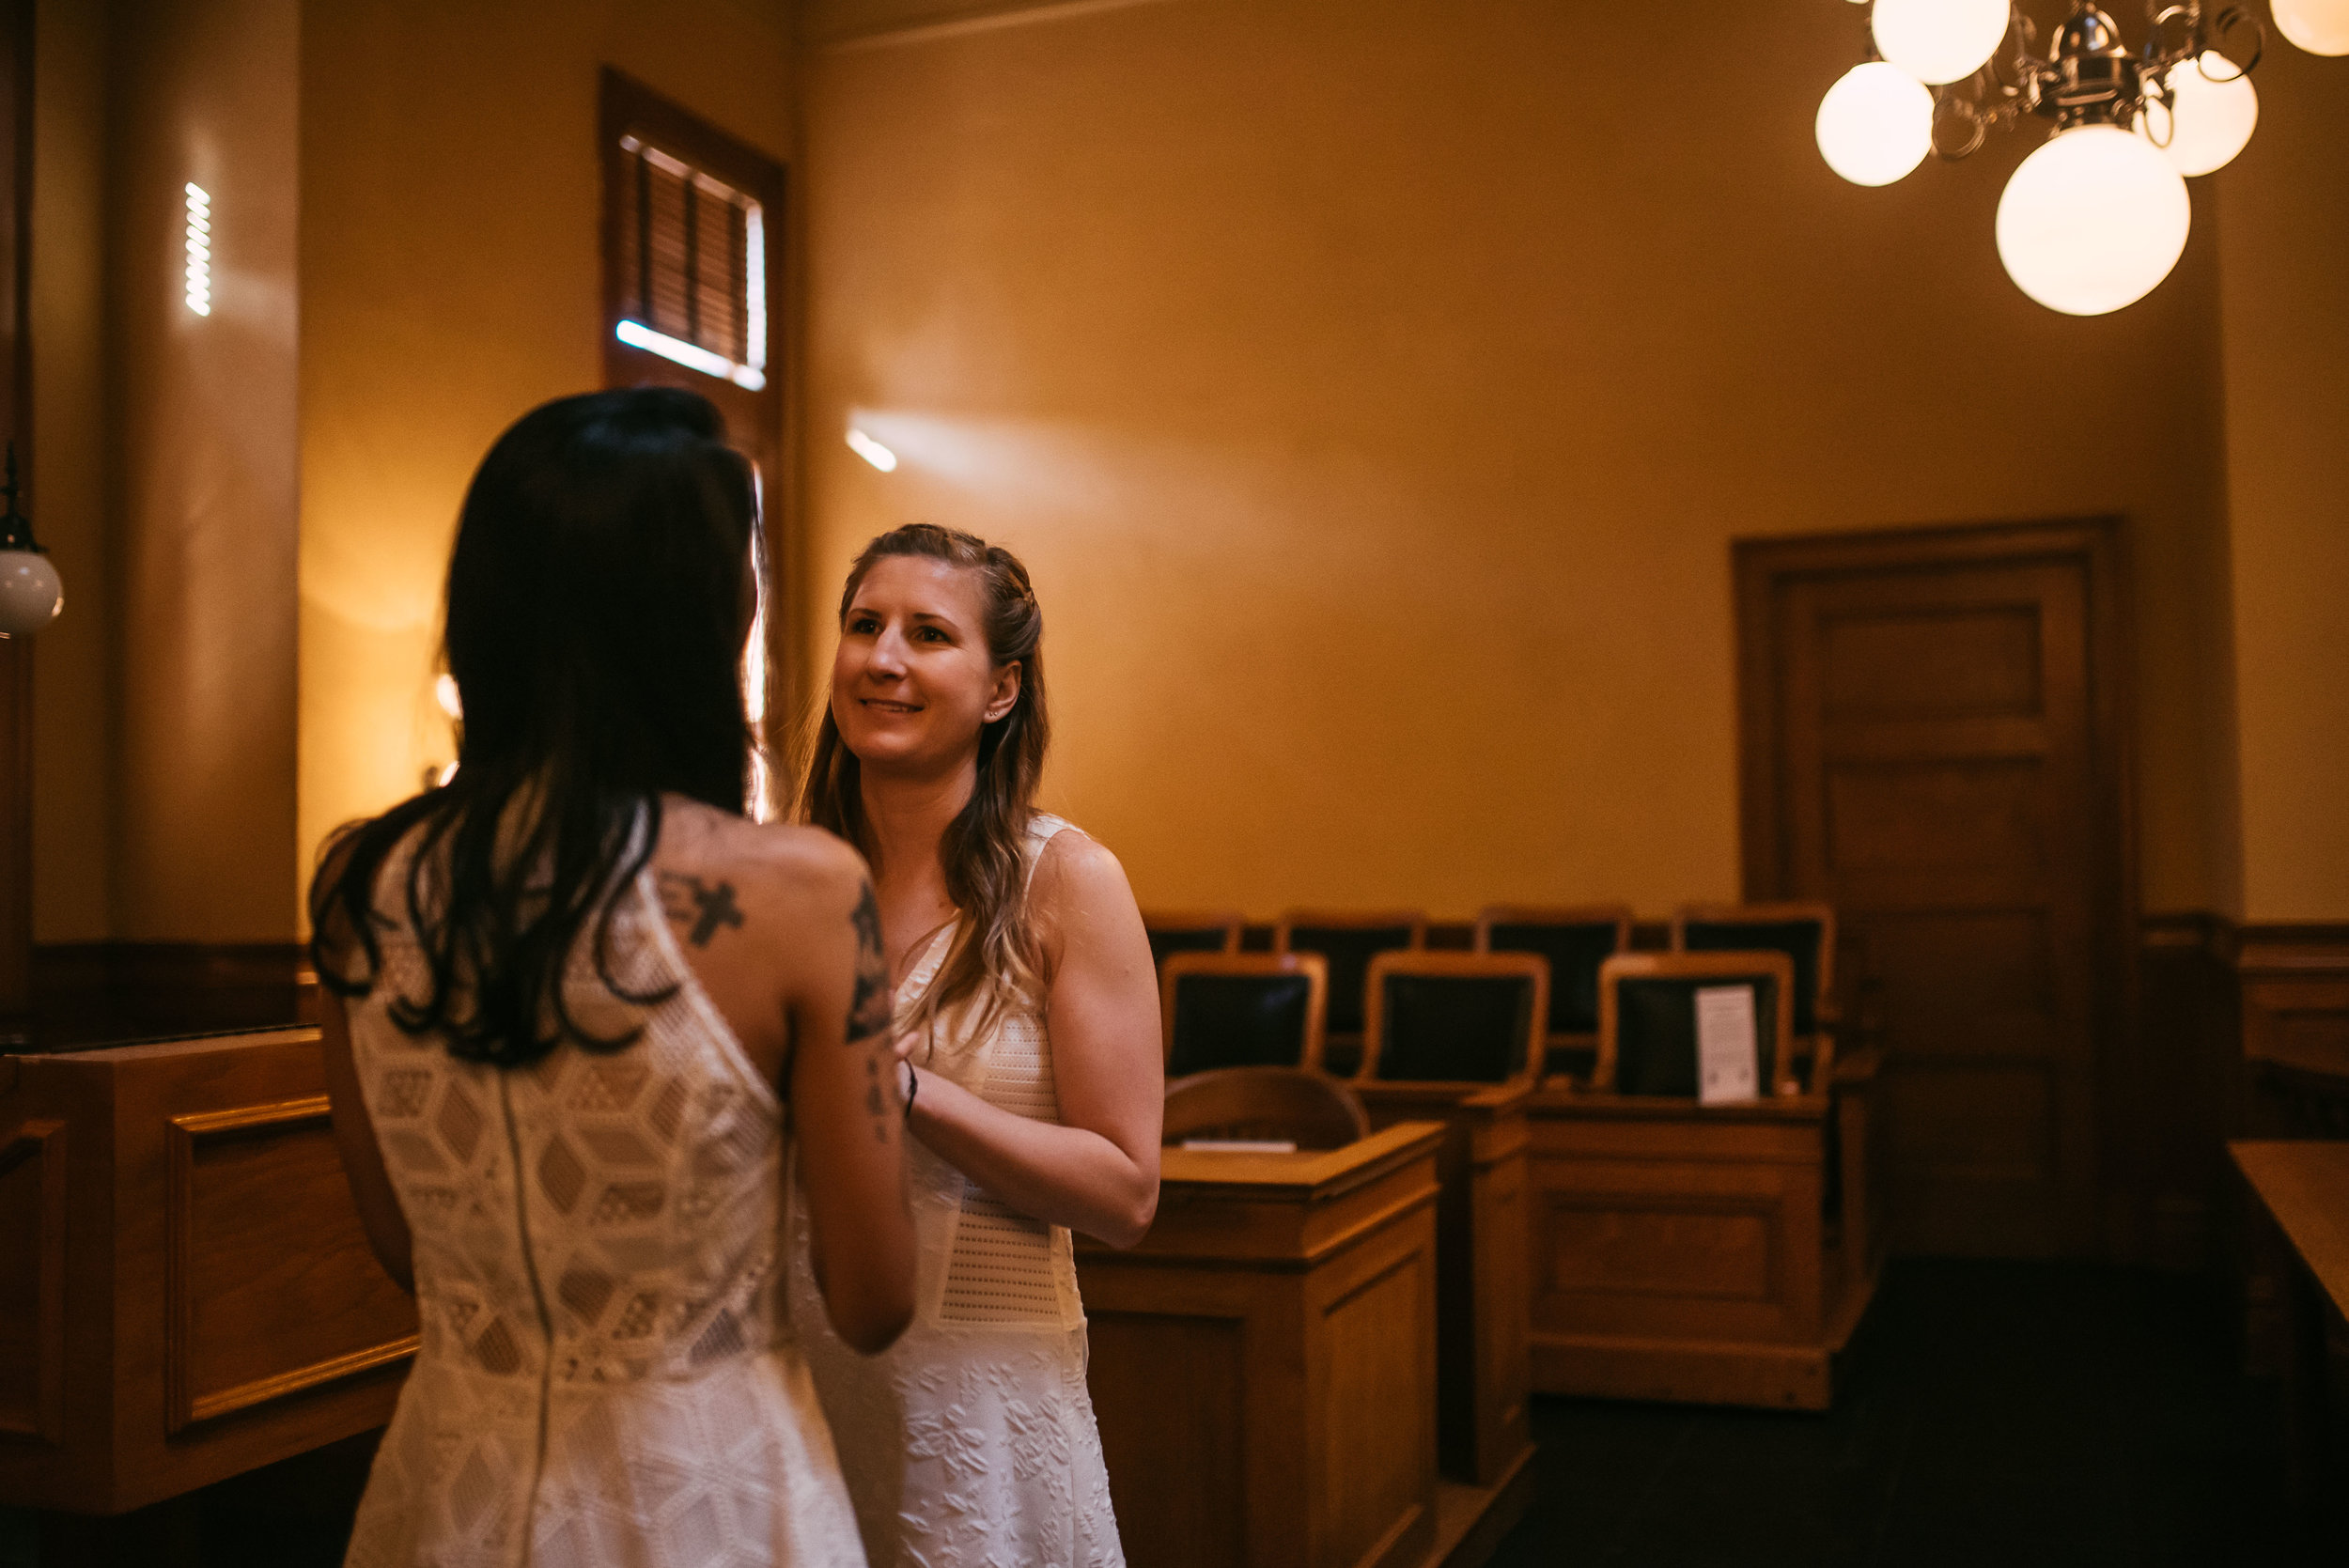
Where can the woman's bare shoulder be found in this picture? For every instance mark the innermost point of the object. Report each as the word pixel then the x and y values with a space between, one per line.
pixel 1078 875
pixel 777 862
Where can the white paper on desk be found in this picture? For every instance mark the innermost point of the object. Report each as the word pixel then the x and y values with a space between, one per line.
pixel 1728 1060
pixel 1241 1145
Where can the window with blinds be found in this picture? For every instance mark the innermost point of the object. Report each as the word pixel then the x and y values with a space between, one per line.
pixel 691 255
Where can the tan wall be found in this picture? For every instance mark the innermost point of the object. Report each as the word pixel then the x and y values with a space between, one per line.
pixel 204 453
pixel 2284 222
pixel 1376 387
pixel 73 790
pixel 450 282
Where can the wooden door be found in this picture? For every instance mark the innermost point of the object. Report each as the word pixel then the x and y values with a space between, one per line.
pixel 1932 741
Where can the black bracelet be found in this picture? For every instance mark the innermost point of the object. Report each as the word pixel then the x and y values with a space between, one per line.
pixel 914 1084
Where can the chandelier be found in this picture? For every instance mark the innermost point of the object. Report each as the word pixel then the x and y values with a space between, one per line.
pixel 2096 216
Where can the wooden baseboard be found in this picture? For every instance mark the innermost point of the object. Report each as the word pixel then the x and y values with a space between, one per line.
pixel 1472 1521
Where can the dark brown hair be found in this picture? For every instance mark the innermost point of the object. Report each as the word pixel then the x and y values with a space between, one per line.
pixel 595 624
pixel 985 849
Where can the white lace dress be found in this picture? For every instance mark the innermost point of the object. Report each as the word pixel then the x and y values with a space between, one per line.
pixel 971 1443
pixel 608 1374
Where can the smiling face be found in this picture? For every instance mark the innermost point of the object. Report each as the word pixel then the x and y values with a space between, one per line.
pixel 913 682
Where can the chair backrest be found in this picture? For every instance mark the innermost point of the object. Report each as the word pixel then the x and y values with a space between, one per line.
pixel 1349 939
pixel 1190 931
pixel 1804 932
pixel 1575 941
pixel 1647 1018
pixel 1244 1010
pixel 1455 1018
pixel 1310 1110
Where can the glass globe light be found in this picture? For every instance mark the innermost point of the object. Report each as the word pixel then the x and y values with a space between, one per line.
pixel 1938 40
pixel 2212 117
pixel 2092 220
pixel 30 594
pixel 2318 26
pixel 1875 124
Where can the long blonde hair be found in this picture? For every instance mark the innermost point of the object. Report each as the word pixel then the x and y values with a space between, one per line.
pixel 985 850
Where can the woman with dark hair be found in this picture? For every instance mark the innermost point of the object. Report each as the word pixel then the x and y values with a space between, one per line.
pixel 570 994
pixel 1027 1007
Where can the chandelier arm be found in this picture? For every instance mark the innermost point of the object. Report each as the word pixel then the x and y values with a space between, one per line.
pixel 2229 19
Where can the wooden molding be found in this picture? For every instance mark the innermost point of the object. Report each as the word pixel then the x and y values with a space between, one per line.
pixel 184 1404
pixel 42 1143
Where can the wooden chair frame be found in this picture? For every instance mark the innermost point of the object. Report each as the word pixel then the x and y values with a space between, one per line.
pixel 1728 966
pixel 1617 915
pixel 1350 920
pixel 1264 964
pixel 1823 1005
pixel 1237 1096
pixel 1462 965
pixel 1230 922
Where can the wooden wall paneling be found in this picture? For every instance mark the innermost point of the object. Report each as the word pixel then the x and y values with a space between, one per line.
pixel 223 1310
pixel 85 993
pixel 2294 988
pixel 1484 1374
pixel 1263 1364
pixel 32 1287
pixel 2192 1098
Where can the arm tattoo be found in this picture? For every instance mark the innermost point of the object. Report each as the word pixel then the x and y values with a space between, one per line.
pixel 689 901
pixel 870 1010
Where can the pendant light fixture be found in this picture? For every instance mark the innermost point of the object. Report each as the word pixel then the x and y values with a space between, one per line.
pixel 2094 220
pixel 30 594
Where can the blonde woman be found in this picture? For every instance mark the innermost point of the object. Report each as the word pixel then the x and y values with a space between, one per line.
pixel 1027 1015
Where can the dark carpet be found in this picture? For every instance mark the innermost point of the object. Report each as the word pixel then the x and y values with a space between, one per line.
pixel 1994 1415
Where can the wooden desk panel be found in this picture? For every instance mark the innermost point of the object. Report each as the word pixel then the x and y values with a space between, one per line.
pixel 1264 1363
pixel 1483 1375
pixel 200 1298
pixel 1691 1255
pixel 2304 1189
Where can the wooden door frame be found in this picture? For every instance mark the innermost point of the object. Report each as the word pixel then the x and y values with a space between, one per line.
pixel 2098 546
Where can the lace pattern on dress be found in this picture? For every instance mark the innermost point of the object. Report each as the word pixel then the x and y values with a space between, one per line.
pixel 607 1372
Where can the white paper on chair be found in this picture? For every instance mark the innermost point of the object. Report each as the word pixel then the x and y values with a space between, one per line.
pixel 1728 1060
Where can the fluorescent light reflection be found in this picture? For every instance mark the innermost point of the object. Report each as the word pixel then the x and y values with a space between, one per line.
pixel 872 451
pixel 762 781
pixel 199 250
pixel 637 336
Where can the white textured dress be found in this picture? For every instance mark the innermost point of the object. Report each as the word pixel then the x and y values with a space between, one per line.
pixel 608 1374
pixel 971 1442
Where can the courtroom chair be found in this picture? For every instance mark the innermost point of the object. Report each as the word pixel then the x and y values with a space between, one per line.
pixel 1349 939
pixel 1190 931
pixel 1647 1019
pixel 1312 1111
pixel 1455 1018
pixel 1575 939
pixel 1244 1010
pixel 1805 932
